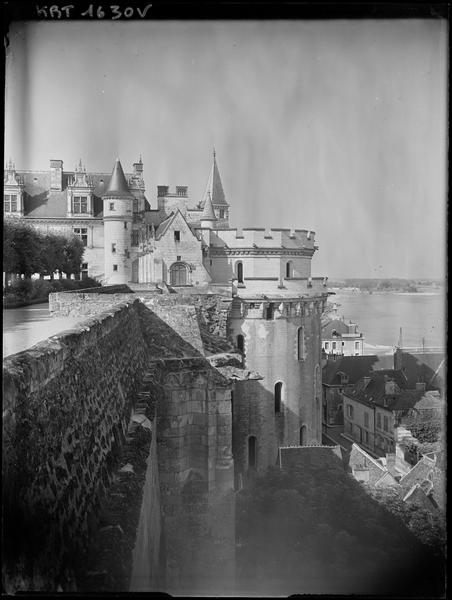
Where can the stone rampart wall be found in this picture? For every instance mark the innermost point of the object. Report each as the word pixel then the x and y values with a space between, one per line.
pixel 92 302
pixel 67 404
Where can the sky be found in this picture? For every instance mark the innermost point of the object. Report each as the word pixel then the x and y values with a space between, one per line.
pixel 335 126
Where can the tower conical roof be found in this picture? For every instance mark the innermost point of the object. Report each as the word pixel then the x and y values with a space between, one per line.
pixel 117 186
pixel 214 186
pixel 208 214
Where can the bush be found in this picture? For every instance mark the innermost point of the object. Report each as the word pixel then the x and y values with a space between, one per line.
pixel 22 288
pixel 57 285
pixel 69 284
pixel 40 289
pixel 26 290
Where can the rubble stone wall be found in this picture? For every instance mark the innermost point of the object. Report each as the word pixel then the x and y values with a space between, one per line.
pixel 67 404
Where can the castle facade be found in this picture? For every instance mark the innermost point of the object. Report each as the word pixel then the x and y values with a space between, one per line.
pixel 276 305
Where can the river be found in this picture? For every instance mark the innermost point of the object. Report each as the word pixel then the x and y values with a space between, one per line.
pixel 26 326
pixel 380 316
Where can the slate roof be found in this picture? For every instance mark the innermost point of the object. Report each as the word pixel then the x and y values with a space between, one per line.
pixel 214 187
pixel 374 391
pixel 354 367
pixel 164 225
pixel 41 202
pixel 117 186
pixel 320 456
pixel 208 213
pixel 339 326
pixel 422 366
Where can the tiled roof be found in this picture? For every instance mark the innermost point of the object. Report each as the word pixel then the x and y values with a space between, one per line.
pixel 421 471
pixel 354 367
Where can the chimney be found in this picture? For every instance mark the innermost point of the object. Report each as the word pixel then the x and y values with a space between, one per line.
pixel 390 387
pixel 162 190
pixel 420 386
pixel 56 175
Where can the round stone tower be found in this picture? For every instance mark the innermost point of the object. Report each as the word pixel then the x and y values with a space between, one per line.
pixel 275 322
pixel 118 211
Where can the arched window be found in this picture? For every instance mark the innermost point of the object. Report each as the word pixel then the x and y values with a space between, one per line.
pixel 289 269
pixel 303 435
pixel 178 274
pixel 252 452
pixel 278 395
pixel 239 268
pixel 300 344
pixel 241 342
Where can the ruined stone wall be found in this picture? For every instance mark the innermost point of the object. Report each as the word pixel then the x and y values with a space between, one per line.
pixel 67 403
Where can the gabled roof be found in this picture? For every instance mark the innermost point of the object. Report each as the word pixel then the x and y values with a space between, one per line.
pixel 339 327
pixel 371 389
pixel 428 367
pixel 164 225
pixel 214 186
pixel 117 186
pixel 354 367
pixel 419 473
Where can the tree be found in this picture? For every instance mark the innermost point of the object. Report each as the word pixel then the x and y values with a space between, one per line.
pixel 73 251
pixel 23 249
pixel 52 253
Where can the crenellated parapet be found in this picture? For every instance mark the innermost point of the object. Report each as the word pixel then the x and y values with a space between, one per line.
pixel 260 239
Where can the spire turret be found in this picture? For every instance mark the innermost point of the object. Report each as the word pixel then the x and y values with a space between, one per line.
pixel 208 214
pixel 117 186
pixel 215 187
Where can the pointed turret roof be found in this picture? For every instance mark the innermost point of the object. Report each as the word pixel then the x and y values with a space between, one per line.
pixel 208 214
pixel 214 186
pixel 117 186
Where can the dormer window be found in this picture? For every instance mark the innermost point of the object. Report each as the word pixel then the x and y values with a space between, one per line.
pixel 221 213
pixel 80 205
pixel 10 203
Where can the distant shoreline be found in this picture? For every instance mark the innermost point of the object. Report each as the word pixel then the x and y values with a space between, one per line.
pixel 438 292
